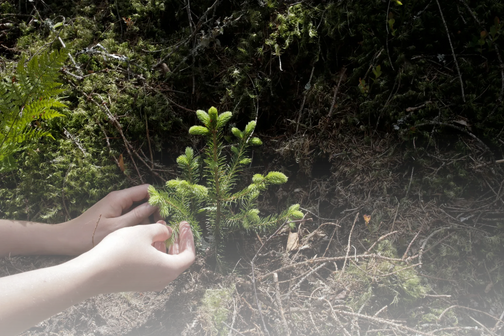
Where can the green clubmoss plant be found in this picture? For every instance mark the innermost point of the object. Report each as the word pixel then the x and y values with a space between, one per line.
pixel 214 310
pixel 225 209
pixel 28 97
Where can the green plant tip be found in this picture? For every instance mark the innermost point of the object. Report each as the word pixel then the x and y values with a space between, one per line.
pixel 223 119
pixel 257 178
pixel 237 133
pixel 203 117
pixel 198 130
pixel 275 177
pixel 212 112
pixel 250 127
pixel 256 141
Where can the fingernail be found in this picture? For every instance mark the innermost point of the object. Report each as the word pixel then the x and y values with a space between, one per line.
pixel 161 222
pixel 170 230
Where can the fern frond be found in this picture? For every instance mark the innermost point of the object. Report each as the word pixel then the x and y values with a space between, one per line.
pixel 28 95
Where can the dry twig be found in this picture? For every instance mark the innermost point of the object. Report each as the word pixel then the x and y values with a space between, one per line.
pixel 342 74
pixel 380 239
pixel 453 51
pixel 386 37
pixel 411 242
pixel 279 303
pixel 331 259
pixel 348 246
pixel 471 309
pixel 383 321
pixel 254 285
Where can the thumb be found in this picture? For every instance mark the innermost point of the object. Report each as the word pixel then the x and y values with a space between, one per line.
pixel 138 214
pixel 158 232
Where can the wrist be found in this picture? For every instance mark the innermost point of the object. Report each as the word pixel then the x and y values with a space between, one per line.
pixel 71 239
pixel 90 274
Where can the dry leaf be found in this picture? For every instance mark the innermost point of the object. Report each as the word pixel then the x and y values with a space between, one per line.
pixel 367 218
pixel 292 241
pixel 342 295
pixel 121 163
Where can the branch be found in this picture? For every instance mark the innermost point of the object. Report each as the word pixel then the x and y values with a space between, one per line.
pixel 383 321
pixel 453 52
pixel 434 123
pixel 329 259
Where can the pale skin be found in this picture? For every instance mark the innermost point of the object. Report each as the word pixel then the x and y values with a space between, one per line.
pixel 127 257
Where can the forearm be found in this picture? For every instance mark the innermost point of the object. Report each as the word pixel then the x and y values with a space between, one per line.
pixel 25 238
pixel 31 297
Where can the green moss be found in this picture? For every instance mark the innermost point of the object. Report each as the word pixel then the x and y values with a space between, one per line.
pixel 215 310
pixel 378 282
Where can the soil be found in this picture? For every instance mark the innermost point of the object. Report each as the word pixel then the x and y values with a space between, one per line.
pixel 335 235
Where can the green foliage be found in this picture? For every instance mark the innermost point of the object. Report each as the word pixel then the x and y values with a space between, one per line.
pixel 295 24
pixel 225 208
pixel 215 310
pixel 59 179
pixel 29 98
pixel 385 282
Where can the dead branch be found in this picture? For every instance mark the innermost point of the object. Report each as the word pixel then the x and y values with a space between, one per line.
pixel 453 51
pixel 307 88
pixel 196 30
pixel 279 303
pixel 232 329
pixel 383 321
pixel 148 141
pixel 420 253
pixel 460 129
pixel 342 74
pixel 103 107
pixel 254 285
pixel 471 309
pixel 331 259
pixel 233 320
pixel 335 317
pixel 386 37
pixel 379 311
pixel 411 242
pixel 348 246
pixel 117 125
pixel 497 323
pixel 399 270
pixel 303 279
pixel 380 239
pixel 482 326
pixel 332 235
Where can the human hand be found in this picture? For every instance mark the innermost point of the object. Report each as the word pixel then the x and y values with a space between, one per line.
pixel 135 258
pixel 111 213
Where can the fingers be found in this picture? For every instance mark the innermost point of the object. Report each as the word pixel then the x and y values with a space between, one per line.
pixel 160 246
pixel 159 232
pixel 183 249
pixel 157 215
pixel 123 199
pixel 139 215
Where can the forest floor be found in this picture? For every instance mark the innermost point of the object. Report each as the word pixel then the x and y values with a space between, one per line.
pixel 403 232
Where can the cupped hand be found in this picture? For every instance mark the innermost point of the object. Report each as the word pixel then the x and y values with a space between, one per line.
pixel 135 258
pixel 114 211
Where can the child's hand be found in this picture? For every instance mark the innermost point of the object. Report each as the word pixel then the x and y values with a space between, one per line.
pixel 135 259
pixel 111 213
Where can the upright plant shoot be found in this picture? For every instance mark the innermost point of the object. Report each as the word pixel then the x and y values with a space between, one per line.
pixel 225 209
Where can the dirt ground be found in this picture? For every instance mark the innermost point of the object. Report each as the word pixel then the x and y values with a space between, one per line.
pixel 338 278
